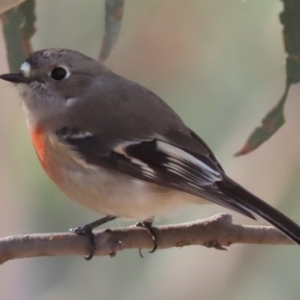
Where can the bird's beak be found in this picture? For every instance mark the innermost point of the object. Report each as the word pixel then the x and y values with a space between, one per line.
pixel 15 78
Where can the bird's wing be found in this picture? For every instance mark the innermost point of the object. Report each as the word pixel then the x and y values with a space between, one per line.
pixel 190 167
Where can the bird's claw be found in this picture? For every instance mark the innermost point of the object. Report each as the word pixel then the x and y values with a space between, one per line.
pixel 150 229
pixel 87 231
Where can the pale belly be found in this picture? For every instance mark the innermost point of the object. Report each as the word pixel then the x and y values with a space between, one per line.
pixel 113 193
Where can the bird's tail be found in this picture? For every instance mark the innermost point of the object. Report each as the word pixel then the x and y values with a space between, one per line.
pixel 261 208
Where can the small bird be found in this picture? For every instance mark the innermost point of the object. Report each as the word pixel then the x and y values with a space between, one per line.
pixel 118 149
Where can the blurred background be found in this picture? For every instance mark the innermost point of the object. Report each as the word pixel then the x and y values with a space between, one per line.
pixel 221 66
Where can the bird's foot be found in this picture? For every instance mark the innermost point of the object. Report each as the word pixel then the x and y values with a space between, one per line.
pixel 87 230
pixel 151 230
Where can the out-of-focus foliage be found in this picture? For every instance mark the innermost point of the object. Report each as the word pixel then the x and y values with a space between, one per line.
pixel 8 4
pixel 291 36
pixel 113 17
pixel 270 124
pixel 18 28
pixel 28 29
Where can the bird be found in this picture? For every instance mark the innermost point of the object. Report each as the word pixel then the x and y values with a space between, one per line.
pixel 118 149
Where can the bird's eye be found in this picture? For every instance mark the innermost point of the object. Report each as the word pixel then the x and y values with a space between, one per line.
pixel 59 73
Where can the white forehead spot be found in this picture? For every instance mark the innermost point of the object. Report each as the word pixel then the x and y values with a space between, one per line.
pixel 70 101
pixel 25 69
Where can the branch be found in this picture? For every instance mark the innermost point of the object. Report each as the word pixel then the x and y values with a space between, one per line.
pixel 216 232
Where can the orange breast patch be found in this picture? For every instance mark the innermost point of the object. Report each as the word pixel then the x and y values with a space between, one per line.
pixel 39 144
pixel 46 153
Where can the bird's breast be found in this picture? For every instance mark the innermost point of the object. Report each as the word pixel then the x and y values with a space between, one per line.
pixel 53 155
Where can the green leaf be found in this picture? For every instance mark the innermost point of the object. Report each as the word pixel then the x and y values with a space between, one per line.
pixel 18 28
pixel 113 17
pixel 270 124
pixel 291 36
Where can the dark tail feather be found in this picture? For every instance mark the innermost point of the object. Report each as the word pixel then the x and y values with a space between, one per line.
pixel 261 208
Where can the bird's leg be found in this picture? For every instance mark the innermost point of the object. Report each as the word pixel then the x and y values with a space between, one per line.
pixel 147 224
pixel 87 230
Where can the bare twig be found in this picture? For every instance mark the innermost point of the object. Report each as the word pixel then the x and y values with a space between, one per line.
pixel 217 232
